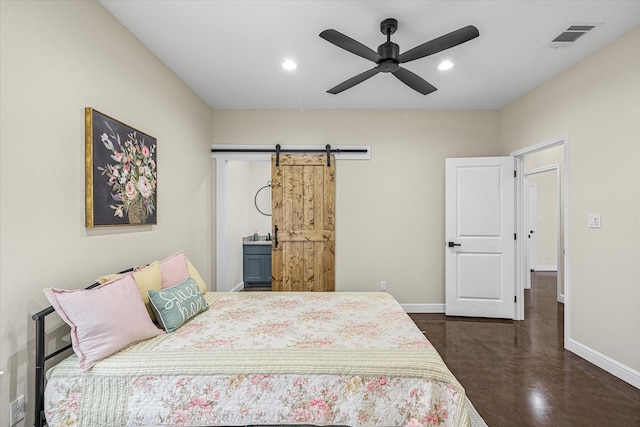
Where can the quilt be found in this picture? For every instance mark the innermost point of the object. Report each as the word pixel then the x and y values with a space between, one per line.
pixel 255 358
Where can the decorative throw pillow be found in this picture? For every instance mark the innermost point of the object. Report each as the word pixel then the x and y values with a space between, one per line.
pixel 103 320
pixel 148 278
pixel 173 270
pixel 107 277
pixel 193 273
pixel 174 306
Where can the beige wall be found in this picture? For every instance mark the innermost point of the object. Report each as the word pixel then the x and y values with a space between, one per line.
pixel 390 209
pixel 57 58
pixel 597 104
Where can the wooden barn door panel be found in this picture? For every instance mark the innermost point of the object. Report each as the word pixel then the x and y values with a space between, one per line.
pixel 303 201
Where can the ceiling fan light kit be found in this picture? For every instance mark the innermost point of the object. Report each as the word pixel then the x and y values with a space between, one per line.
pixel 388 57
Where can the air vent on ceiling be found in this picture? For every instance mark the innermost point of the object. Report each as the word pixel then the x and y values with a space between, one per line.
pixel 572 34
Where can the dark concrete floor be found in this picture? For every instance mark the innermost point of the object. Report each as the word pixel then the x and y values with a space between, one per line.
pixel 518 373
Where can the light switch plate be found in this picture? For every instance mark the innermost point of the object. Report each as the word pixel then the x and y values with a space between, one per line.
pixel 594 220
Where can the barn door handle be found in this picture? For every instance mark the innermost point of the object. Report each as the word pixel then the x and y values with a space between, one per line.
pixel 275 235
pixel 451 244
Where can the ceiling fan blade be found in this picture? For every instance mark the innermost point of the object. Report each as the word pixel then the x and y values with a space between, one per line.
pixel 351 45
pixel 353 81
pixel 445 42
pixel 414 81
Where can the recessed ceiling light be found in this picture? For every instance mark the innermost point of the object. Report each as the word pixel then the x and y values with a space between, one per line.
pixel 445 65
pixel 289 64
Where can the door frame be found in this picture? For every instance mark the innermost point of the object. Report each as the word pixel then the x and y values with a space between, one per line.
pixel 222 183
pixel 563 252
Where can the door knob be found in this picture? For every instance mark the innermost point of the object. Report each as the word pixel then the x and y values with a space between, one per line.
pixel 451 244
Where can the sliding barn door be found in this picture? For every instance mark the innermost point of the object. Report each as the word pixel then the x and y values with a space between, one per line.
pixel 303 221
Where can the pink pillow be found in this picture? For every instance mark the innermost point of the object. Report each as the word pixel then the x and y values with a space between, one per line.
pixel 103 320
pixel 173 270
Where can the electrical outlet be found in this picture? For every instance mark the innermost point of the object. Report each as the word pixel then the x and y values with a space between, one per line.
pixel 16 411
pixel 383 286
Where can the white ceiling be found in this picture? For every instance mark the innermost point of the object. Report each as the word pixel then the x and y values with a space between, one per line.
pixel 229 52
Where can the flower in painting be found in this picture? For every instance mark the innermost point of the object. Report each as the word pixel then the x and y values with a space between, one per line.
pixel 117 156
pixel 131 190
pixel 145 187
pixel 106 141
pixel 117 210
pixel 132 178
pixel 414 423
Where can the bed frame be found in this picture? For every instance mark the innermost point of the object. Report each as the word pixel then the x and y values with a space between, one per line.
pixel 42 356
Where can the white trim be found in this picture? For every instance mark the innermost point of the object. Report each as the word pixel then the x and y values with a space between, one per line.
pixel 221 220
pixel 545 268
pixel 521 261
pixel 615 368
pixel 553 167
pixel 549 143
pixel 238 287
pixel 423 308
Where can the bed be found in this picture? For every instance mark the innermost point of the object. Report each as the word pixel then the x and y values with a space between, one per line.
pixel 265 358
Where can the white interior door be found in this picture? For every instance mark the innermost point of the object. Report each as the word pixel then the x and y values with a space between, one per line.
pixel 480 238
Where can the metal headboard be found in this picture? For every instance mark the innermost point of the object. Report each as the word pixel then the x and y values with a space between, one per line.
pixel 42 356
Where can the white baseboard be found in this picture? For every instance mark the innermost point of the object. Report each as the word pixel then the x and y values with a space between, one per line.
pixel 615 368
pixel 546 268
pixel 423 308
pixel 238 287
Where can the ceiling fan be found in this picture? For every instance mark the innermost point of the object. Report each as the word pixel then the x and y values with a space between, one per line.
pixel 388 57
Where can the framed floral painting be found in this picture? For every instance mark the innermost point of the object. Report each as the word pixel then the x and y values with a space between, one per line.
pixel 121 173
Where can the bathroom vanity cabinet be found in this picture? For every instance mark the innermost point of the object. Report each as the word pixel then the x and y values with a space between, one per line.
pixel 256 264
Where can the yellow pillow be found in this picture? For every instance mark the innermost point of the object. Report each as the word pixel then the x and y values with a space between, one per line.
pixel 107 277
pixel 148 278
pixel 196 276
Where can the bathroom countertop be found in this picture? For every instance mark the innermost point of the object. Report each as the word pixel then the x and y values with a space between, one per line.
pixel 249 241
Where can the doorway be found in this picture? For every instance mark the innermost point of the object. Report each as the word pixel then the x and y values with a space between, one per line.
pixel 553 148
pixel 225 281
pixel 543 218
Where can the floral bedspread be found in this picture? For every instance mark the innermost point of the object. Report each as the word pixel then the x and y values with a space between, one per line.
pixel 352 359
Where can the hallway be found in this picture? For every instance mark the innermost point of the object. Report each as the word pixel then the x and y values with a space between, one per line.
pixel 518 373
